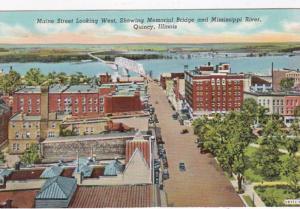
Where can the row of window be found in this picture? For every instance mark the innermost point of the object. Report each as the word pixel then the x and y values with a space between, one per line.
pixel 83 101
pixel 29 101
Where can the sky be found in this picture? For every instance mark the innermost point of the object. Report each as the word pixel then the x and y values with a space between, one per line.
pixel 275 25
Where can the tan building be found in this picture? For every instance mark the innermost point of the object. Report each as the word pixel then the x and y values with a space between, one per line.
pixel 24 130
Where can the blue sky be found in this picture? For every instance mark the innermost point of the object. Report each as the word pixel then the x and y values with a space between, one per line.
pixel 276 25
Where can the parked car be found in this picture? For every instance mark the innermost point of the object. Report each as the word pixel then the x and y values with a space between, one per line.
pixel 182 166
pixel 184 131
pixel 175 116
pixel 165 174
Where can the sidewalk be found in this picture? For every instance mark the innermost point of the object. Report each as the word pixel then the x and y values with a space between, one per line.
pixel 249 190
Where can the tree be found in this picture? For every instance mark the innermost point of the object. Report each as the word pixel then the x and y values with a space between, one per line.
pixel 10 82
pixel 79 78
pixel 286 84
pixel 297 111
pixel 267 158
pixel 2 157
pixel 31 155
pixel 290 167
pixel 34 77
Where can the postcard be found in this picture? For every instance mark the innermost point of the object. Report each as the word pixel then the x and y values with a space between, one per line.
pixel 150 108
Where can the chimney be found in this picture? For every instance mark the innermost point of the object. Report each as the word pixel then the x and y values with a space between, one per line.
pixel 44 111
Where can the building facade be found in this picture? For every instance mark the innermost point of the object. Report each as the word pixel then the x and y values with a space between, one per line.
pixel 208 91
pixel 79 100
pixel 5 113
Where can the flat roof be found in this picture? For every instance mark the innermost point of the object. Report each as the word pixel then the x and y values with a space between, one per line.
pixel 20 198
pixel 272 93
pixel 101 136
pixel 30 89
pixel 82 88
pixel 57 88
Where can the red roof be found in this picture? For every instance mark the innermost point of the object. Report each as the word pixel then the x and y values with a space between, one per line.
pixel 142 145
pixel 20 198
pixel 68 172
pixel 26 174
pixel 97 171
pixel 127 196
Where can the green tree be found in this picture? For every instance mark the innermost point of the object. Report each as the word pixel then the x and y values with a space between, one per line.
pixel 10 82
pixel 34 77
pixel 2 157
pixel 286 84
pixel 31 155
pixel 79 78
pixel 290 168
pixel 297 111
pixel 267 158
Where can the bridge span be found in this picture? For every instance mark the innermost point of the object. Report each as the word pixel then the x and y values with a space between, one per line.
pixel 122 63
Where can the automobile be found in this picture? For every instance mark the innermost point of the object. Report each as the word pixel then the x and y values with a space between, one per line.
pixel 165 174
pixel 184 131
pixel 175 116
pixel 181 122
pixel 182 166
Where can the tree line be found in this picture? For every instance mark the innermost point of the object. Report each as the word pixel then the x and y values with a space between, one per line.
pixel 227 138
pixel 12 80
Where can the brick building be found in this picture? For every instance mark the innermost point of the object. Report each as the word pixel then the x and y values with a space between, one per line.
pixel 207 90
pixel 291 102
pixel 278 75
pixel 164 77
pixel 5 113
pixel 81 100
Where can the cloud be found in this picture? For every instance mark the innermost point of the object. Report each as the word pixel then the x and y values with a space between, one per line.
pixel 215 25
pixel 292 27
pixel 54 28
pixel 13 30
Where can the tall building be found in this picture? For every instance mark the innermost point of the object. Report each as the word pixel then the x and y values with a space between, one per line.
pixel 210 89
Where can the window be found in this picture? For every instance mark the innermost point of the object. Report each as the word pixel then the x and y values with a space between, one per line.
pixel 76 101
pixel 22 101
pixel 13 125
pixel 53 125
pixel 90 101
pixel 17 135
pixel 38 101
pixel 83 100
pixel 218 81
pixel 101 100
pixel 101 108
pixel 15 147
pixel 27 135
pixel 29 101
pixel 90 109
pixel 223 82
pixel 83 109
pixel 27 146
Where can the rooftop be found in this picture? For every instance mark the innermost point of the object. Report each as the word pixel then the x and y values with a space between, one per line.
pixel 52 171
pixel 30 89
pixel 57 188
pixel 273 93
pixel 20 198
pixel 26 174
pixel 126 196
pixel 103 136
pixel 142 145
pixel 83 88
pixel 113 168
pixel 57 88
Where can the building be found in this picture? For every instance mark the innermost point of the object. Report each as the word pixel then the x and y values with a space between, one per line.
pixel 57 192
pixel 175 92
pixel 255 83
pixel 5 113
pixel 84 100
pixel 24 130
pixel 116 196
pixel 164 77
pixel 208 91
pixel 278 75
pixel 272 101
pixel 101 146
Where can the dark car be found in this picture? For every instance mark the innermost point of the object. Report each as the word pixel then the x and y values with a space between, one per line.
pixel 175 116
pixel 182 166
pixel 184 131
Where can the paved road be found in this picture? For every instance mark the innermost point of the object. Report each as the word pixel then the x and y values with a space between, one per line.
pixel 203 183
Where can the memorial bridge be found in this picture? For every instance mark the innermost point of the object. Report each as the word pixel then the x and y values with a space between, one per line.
pixel 124 64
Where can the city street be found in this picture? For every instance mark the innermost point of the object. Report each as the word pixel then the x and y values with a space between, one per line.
pixel 203 183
